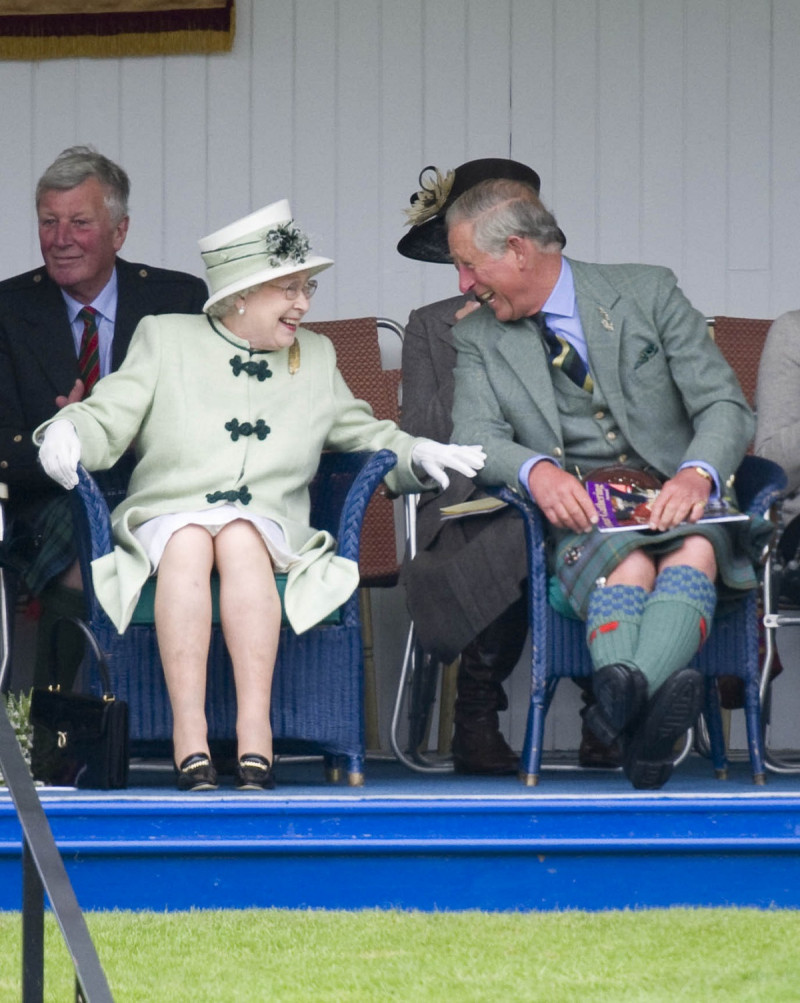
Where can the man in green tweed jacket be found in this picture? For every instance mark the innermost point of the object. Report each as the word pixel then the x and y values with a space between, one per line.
pixel 635 381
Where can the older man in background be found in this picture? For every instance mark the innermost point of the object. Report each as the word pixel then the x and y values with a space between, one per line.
pixel 63 326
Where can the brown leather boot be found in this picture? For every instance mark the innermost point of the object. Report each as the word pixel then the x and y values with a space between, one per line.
pixel 478 746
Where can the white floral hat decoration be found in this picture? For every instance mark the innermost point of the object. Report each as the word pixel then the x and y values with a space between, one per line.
pixel 260 247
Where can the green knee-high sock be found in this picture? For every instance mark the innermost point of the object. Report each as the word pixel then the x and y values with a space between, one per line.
pixel 58 601
pixel 612 624
pixel 675 623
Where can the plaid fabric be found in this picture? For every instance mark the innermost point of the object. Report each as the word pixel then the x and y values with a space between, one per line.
pixel 54 548
pixel 577 560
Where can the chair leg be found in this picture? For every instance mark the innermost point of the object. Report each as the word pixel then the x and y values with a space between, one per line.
pixel 447 705
pixel 371 729
pixel 415 691
pixel 531 758
pixel 335 767
pixel 716 735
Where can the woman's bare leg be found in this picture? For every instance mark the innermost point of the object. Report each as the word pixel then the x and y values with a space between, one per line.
pixel 250 611
pixel 183 627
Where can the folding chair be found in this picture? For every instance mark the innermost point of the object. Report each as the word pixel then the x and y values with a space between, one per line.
pixel 358 355
pixel 416 689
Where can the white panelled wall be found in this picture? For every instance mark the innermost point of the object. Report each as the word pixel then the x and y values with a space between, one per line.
pixel 665 131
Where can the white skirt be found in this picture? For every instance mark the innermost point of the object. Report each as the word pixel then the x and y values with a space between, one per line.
pixel 154 534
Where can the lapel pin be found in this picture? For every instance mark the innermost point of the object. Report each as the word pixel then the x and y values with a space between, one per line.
pixel 605 320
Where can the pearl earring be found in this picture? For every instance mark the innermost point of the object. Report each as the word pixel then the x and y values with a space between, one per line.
pixel 240 310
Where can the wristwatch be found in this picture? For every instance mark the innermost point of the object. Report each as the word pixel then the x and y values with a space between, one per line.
pixel 703 473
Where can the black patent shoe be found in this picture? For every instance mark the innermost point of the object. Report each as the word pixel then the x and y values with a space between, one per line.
pixel 670 712
pixel 254 773
pixel 197 773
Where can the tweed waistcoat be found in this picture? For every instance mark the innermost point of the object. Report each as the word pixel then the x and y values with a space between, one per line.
pixel 591 436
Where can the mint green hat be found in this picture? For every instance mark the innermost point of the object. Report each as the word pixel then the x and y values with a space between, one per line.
pixel 257 248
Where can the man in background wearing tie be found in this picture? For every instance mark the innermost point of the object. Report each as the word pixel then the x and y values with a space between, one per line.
pixel 569 366
pixel 63 326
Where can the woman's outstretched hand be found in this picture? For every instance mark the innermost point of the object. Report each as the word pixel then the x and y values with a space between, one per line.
pixel 433 457
pixel 60 453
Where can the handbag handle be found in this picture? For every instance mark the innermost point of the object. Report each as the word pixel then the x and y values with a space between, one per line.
pixel 98 654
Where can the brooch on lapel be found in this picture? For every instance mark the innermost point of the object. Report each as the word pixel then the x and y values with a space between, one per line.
pixel 294 357
pixel 605 320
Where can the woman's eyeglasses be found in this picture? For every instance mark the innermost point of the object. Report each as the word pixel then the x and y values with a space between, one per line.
pixel 293 290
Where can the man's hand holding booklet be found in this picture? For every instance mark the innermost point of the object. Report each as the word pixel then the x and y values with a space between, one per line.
pixel 623 506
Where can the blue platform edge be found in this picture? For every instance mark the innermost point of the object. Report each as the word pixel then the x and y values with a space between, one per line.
pixel 162 851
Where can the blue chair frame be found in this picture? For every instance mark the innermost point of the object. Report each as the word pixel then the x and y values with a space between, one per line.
pixel 559 649
pixel 317 693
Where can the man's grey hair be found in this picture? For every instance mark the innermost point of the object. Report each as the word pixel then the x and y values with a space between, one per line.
pixel 499 209
pixel 77 164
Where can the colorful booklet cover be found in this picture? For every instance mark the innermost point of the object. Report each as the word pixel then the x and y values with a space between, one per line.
pixel 621 507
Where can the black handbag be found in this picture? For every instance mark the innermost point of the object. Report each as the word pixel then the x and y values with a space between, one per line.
pixel 79 740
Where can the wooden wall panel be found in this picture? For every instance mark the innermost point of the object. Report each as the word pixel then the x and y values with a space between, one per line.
pixel 357 175
pixel 618 164
pixel 185 158
pixel 663 101
pixel 315 142
pixel 533 88
pixel 784 181
pixel 19 248
pixel 662 132
pixel 705 200
pixel 575 125
pixel 402 152
pixel 270 50
pixel 141 116
pixel 229 131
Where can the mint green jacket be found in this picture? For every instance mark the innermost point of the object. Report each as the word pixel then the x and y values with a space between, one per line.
pixel 202 420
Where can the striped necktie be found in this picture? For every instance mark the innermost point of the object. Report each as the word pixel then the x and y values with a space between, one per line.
pixel 89 356
pixel 562 355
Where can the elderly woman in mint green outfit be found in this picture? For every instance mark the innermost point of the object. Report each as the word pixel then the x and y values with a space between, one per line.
pixel 228 414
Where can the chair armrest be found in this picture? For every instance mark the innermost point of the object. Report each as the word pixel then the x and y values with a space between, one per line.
pixel 759 484
pixel 373 468
pixel 538 580
pixel 92 526
pixel 535 529
pixel 93 519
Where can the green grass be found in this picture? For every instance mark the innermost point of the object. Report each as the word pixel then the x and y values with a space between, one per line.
pixel 703 956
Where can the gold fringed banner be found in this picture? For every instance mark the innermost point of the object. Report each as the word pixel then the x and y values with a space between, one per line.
pixel 114 28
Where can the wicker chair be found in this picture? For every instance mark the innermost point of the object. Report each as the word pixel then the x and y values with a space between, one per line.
pixel 559 649
pixel 317 695
pixel 741 341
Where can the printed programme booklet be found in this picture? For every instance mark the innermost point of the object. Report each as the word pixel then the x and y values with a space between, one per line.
pixel 476 506
pixel 622 507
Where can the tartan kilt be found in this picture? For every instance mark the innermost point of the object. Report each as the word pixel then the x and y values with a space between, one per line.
pixel 577 560
pixel 54 544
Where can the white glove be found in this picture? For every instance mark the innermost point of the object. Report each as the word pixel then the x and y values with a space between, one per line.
pixel 60 452
pixel 433 457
